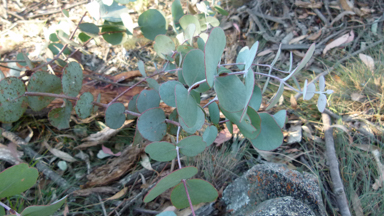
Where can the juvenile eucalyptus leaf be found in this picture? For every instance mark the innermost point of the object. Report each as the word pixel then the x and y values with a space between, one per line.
pixel 167 92
pixel 172 129
pixel 141 68
pixel 277 96
pixel 214 48
pixel 83 37
pixel 200 43
pixel 17 179
pixel 192 146
pixel 132 106
pixel 209 20
pixel 230 92
pixel 189 32
pixel 247 56
pixel 115 115
pixel 169 181
pixel 245 126
pixel 84 105
pixel 152 23
pixel 164 46
pixel 161 151
pixel 151 124
pixel 214 113
pixel 280 118
pixel 180 77
pixel 321 83
pixel 210 135
pixel 153 84
pixel 271 66
pixel 113 32
pixel 249 86
pixel 59 117
pixel 196 95
pixel 1 75
pixel 147 99
pixel 138 139
pixel 194 70
pixel 90 29
pixel 96 108
pixel 12 102
pixel 72 79
pixel 41 81
pixel 256 98
pixel 270 136
pixel 220 10
pixel 311 89
pixel 188 19
pixel 304 61
pixel 229 125
pixel 200 119
pixel 305 89
pixel 322 102
pixel 186 106
pixel 44 210
pixel 177 12
pixel 56 47
pixel 200 191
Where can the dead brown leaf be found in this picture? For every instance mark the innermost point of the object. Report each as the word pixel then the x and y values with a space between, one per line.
pixel 314 36
pixel 10 154
pixel 346 5
pixel 118 194
pixel 225 135
pixel 309 4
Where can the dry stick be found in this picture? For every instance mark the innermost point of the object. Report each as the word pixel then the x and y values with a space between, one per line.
pixel 57 11
pixel 338 187
pixel 341 61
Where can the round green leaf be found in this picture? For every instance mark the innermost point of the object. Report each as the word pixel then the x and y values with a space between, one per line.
pixel 141 67
pixel 200 120
pixel 245 126
pixel 147 99
pixel 113 32
pixel 280 118
pixel 188 19
pixel 43 210
pixel 213 50
pixel 172 129
pixel 161 151
pixel 167 92
pixel 188 33
pixel 115 116
pixel 153 84
pixel 249 86
pixel 59 117
pixel 84 105
pixel 72 79
pixel 256 98
pixel 90 29
pixel 177 12
pixel 41 81
pixel 1 75
pixel 151 124
pixel 200 43
pixel 220 10
pixel 194 70
pixel 321 102
pixel 56 47
pixel 169 181
pixel 180 77
pixel 199 190
pixel 186 106
pixel 214 113
pixel 229 125
pixel 210 135
pixel 12 102
pixel 192 145
pixel 53 37
pixel 132 106
pixel 230 92
pixel 17 179
pixel 270 136
pixel 164 46
pixel 152 23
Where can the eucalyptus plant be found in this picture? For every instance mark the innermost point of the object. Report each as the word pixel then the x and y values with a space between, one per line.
pixel 195 59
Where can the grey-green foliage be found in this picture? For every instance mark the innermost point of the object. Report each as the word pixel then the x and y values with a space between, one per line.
pixel 197 62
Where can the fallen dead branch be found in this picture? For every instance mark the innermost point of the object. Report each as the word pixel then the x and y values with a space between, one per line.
pixel 338 187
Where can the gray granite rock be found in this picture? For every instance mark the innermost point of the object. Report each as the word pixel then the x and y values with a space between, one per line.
pixel 283 206
pixel 268 181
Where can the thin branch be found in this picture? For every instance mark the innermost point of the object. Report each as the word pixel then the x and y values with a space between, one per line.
pixel 338 187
